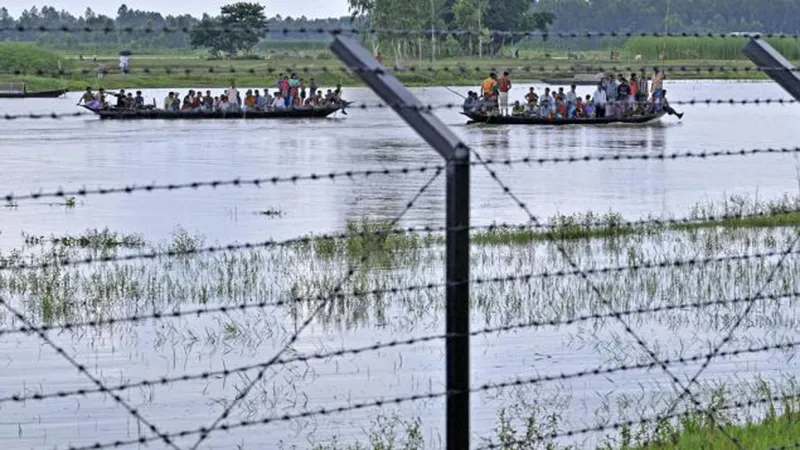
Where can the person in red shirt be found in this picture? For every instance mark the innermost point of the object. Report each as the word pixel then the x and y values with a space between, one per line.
pixel 504 85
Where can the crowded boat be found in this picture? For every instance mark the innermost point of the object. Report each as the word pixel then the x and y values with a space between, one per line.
pixel 290 93
pixel 614 97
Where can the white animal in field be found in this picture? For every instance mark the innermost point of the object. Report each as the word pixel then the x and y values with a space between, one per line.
pixel 638 57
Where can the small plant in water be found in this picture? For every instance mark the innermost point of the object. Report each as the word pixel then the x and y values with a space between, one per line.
pixel 69 202
pixel 272 212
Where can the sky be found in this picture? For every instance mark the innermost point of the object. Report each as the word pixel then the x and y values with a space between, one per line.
pixel 294 8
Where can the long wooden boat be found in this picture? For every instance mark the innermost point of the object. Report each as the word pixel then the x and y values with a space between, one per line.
pixel 304 112
pixel 528 120
pixel 35 94
pixel 569 82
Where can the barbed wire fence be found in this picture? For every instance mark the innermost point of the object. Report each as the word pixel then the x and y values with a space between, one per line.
pixel 458 162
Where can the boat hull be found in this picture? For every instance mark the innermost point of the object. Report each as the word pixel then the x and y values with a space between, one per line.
pixel 36 94
pixel 568 82
pixel 297 113
pixel 524 120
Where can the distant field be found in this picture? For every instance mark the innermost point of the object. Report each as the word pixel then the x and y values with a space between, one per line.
pixel 192 69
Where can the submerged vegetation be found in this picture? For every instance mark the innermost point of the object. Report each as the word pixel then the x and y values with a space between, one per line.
pixel 689 283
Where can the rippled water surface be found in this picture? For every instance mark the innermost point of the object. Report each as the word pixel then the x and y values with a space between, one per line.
pixel 84 152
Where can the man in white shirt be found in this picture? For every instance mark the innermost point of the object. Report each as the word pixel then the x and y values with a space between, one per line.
pixel 232 93
pixel 278 102
pixel 600 100
pixel 123 64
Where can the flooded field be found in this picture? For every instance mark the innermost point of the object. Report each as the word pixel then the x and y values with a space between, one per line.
pixel 681 290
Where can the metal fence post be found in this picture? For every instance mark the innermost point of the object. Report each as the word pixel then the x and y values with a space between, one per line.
pixel 774 64
pixel 457 155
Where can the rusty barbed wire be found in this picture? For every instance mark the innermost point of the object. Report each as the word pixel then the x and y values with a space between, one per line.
pixel 17 398
pixel 355 31
pixel 563 230
pixel 224 309
pixel 555 70
pixel 639 341
pixel 644 421
pixel 482 388
pixel 366 173
pixel 96 381
pixel 241 394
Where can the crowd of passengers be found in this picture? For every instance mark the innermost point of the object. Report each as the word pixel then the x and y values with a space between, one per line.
pixel 613 97
pixel 291 92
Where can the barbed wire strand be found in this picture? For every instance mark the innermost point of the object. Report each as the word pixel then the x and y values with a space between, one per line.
pixel 787 446
pixel 398 290
pixel 447 106
pixel 565 254
pixel 233 182
pixel 647 420
pixel 739 320
pixel 552 70
pixel 435 395
pixel 556 230
pixel 82 369
pixel 337 290
pixel 18 398
pixel 366 173
pixel 393 31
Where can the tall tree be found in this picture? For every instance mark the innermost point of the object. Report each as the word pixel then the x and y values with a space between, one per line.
pixel 238 28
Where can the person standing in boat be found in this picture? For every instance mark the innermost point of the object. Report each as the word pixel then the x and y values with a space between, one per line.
pixel 294 88
pixel 611 96
pixel 233 95
pixel 658 83
pixel 572 100
pixel 633 87
pixel 644 90
pixel 503 87
pixel 489 87
pixel 312 88
pixel 623 91
pixel 600 100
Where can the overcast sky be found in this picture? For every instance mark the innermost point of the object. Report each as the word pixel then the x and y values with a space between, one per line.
pixel 294 8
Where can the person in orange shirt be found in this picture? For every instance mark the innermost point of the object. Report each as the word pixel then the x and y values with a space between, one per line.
pixel 250 100
pixel 489 87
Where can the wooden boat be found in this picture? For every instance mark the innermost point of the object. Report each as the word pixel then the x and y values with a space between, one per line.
pixel 527 120
pixel 570 82
pixel 304 112
pixel 582 79
pixel 35 94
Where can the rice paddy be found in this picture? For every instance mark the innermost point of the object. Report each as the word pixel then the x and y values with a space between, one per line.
pixel 690 283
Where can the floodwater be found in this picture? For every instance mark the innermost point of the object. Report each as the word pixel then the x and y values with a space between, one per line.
pixel 45 155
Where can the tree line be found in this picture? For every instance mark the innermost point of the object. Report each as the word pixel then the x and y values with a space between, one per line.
pixel 52 18
pixel 476 16
pixel 691 16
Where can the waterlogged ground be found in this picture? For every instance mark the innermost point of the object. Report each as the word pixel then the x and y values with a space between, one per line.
pixel 127 352
pixel 683 317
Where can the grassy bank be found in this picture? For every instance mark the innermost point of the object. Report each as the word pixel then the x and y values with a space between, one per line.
pixel 528 427
pixel 187 71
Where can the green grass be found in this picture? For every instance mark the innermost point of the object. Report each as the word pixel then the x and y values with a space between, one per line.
pixel 740 212
pixel 262 72
pixel 702 48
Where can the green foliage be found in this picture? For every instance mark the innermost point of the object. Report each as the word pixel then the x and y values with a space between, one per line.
pixel 695 16
pixel 704 48
pixel 237 29
pixel 29 58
